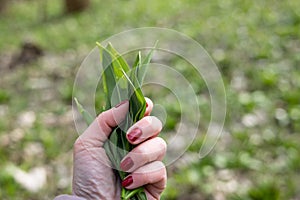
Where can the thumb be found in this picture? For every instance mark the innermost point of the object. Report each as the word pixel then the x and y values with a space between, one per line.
pixel 99 130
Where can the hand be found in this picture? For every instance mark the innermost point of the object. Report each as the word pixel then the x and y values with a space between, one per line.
pixel 92 176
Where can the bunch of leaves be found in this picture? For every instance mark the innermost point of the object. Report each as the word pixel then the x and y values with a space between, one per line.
pixel 121 82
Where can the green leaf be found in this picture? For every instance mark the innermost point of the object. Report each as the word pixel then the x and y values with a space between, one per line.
pixel 138 60
pixel 109 79
pixel 142 69
pixel 121 82
pixel 114 85
pixel 119 59
pixel 137 103
pixel 139 192
pixel 85 114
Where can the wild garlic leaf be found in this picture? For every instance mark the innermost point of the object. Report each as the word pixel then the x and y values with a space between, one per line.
pixel 108 76
pixel 120 60
pixel 142 69
pixel 121 82
pixel 138 60
pixel 87 117
pixel 137 102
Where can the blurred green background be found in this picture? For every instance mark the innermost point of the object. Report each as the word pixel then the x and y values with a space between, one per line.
pixel 256 45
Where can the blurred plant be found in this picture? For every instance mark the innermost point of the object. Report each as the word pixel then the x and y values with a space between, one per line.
pixel 73 6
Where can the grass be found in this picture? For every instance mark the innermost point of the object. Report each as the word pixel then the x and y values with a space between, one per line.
pixel 254 43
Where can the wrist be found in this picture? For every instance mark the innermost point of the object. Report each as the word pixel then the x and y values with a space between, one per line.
pixel 68 197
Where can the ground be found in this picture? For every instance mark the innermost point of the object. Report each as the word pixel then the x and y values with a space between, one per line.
pixel 255 44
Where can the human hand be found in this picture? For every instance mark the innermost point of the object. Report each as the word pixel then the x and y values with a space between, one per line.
pixel 93 178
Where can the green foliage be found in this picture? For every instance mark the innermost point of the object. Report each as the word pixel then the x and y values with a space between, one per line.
pixel 4 96
pixel 120 82
pixel 254 43
pixel 265 192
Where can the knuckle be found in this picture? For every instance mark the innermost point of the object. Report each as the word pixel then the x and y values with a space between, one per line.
pixel 157 123
pixel 155 119
pixel 158 167
pixel 162 143
pixel 158 173
pixel 78 145
pixel 163 148
pixel 102 116
pixel 161 166
pixel 153 122
pixel 146 121
pixel 164 181
pixel 103 120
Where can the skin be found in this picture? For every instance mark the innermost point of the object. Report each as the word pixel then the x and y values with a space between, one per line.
pixel 93 178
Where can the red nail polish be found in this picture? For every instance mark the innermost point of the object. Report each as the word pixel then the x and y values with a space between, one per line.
pixel 121 103
pixel 127 181
pixel 126 164
pixel 134 134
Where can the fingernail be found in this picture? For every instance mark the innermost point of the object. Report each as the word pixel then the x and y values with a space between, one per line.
pixel 121 103
pixel 134 134
pixel 127 181
pixel 146 105
pixel 126 164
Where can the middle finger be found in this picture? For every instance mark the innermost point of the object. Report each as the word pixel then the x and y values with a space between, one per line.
pixel 148 151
